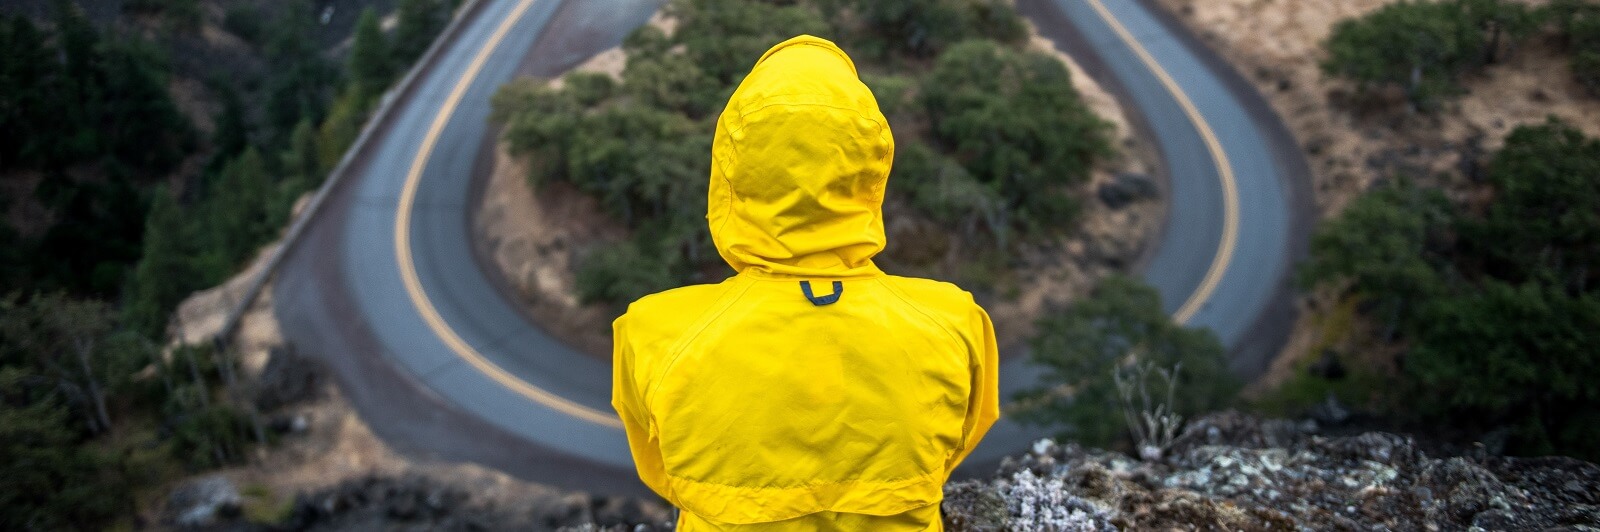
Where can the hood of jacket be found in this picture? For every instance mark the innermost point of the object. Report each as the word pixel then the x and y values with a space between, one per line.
pixel 799 165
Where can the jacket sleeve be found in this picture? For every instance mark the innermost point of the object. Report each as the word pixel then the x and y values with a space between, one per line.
pixel 628 401
pixel 983 404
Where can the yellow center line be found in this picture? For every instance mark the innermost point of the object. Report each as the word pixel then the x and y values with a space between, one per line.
pixel 1230 190
pixel 408 268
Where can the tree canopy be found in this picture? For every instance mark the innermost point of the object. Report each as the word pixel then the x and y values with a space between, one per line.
pixel 1424 46
pixel 1501 308
pixel 1580 27
pixel 1016 124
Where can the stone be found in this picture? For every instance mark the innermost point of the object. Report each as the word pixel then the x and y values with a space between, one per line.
pixel 1330 411
pixel 287 379
pixel 1126 188
pixel 203 502
pixel 1230 471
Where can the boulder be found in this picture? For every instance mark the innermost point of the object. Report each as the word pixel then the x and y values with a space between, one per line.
pixel 1230 471
pixel 1126 188
pixel 203 502
pixel 287 379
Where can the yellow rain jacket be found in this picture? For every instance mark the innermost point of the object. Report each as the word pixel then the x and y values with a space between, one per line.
pixel 811 391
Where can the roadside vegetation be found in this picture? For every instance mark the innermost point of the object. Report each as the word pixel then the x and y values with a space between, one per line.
pixel 1494 305
pixel 993 143
pixel 119 207
pixel 1097 352
pixel 1476 294
pixel 1426 47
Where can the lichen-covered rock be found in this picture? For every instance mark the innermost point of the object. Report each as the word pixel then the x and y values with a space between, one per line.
pixel 202 502
pixel 420 503
pixel 1229 471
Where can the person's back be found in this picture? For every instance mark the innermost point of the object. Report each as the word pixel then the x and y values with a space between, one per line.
pixel 811 391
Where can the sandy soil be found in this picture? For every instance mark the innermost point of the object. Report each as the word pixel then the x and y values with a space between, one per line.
pixel 534 239
pixel 1352 144
pixel 533 236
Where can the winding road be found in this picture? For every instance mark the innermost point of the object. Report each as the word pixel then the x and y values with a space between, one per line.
pixel 386 290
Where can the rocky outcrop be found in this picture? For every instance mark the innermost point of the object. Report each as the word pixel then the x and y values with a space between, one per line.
pixel 1227 471
pixel 1234 472
pixel 202 502
pixel 420 503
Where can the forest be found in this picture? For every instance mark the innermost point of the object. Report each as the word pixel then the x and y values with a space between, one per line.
pixel 121 207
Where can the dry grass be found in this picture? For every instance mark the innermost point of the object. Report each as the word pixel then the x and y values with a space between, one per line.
pixel 1351 142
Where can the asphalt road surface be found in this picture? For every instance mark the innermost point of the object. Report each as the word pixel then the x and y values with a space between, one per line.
pixel 386 289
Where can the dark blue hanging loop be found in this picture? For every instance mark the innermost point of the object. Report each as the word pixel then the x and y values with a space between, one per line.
pixel 838 290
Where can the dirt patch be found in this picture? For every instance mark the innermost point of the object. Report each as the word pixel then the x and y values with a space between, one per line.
pixel 534 239
pixel 533 236
pixel 1352 144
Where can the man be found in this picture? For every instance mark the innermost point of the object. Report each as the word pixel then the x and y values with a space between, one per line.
pixel 811 391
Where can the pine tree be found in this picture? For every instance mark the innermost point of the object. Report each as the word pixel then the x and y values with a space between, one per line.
pixel 418 22
pixel 370 63
pixel 299 85
pixel 301 160
pixel 164 274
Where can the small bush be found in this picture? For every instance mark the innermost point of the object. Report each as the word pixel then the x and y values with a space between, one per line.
pixel 1119 326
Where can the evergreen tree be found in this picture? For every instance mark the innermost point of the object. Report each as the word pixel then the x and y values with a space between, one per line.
pixel 237 209
pixel 340 130
pixel 139 123
pixel 301 159
pixel 721 36
pixel 1501 308
pixel 30 100
pixel 51 483
pixel 232 133
pixel 417 23
pixel 301 79
pixel 165 273
pixel 370 59
pixel 80 81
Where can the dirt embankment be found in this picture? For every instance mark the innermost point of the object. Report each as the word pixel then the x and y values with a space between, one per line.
pixel 533 237
pixel 1354 142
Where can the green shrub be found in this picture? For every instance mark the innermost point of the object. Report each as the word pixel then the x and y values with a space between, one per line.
pixel 622 273
pixel 1118 327
pixel 1579 22
pixel 1424 46
pixel 924 28
pixel 1016 123
pixel 1500 309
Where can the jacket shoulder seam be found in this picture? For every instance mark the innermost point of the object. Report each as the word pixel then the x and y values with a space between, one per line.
pixel 683 342
pixel 943 324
